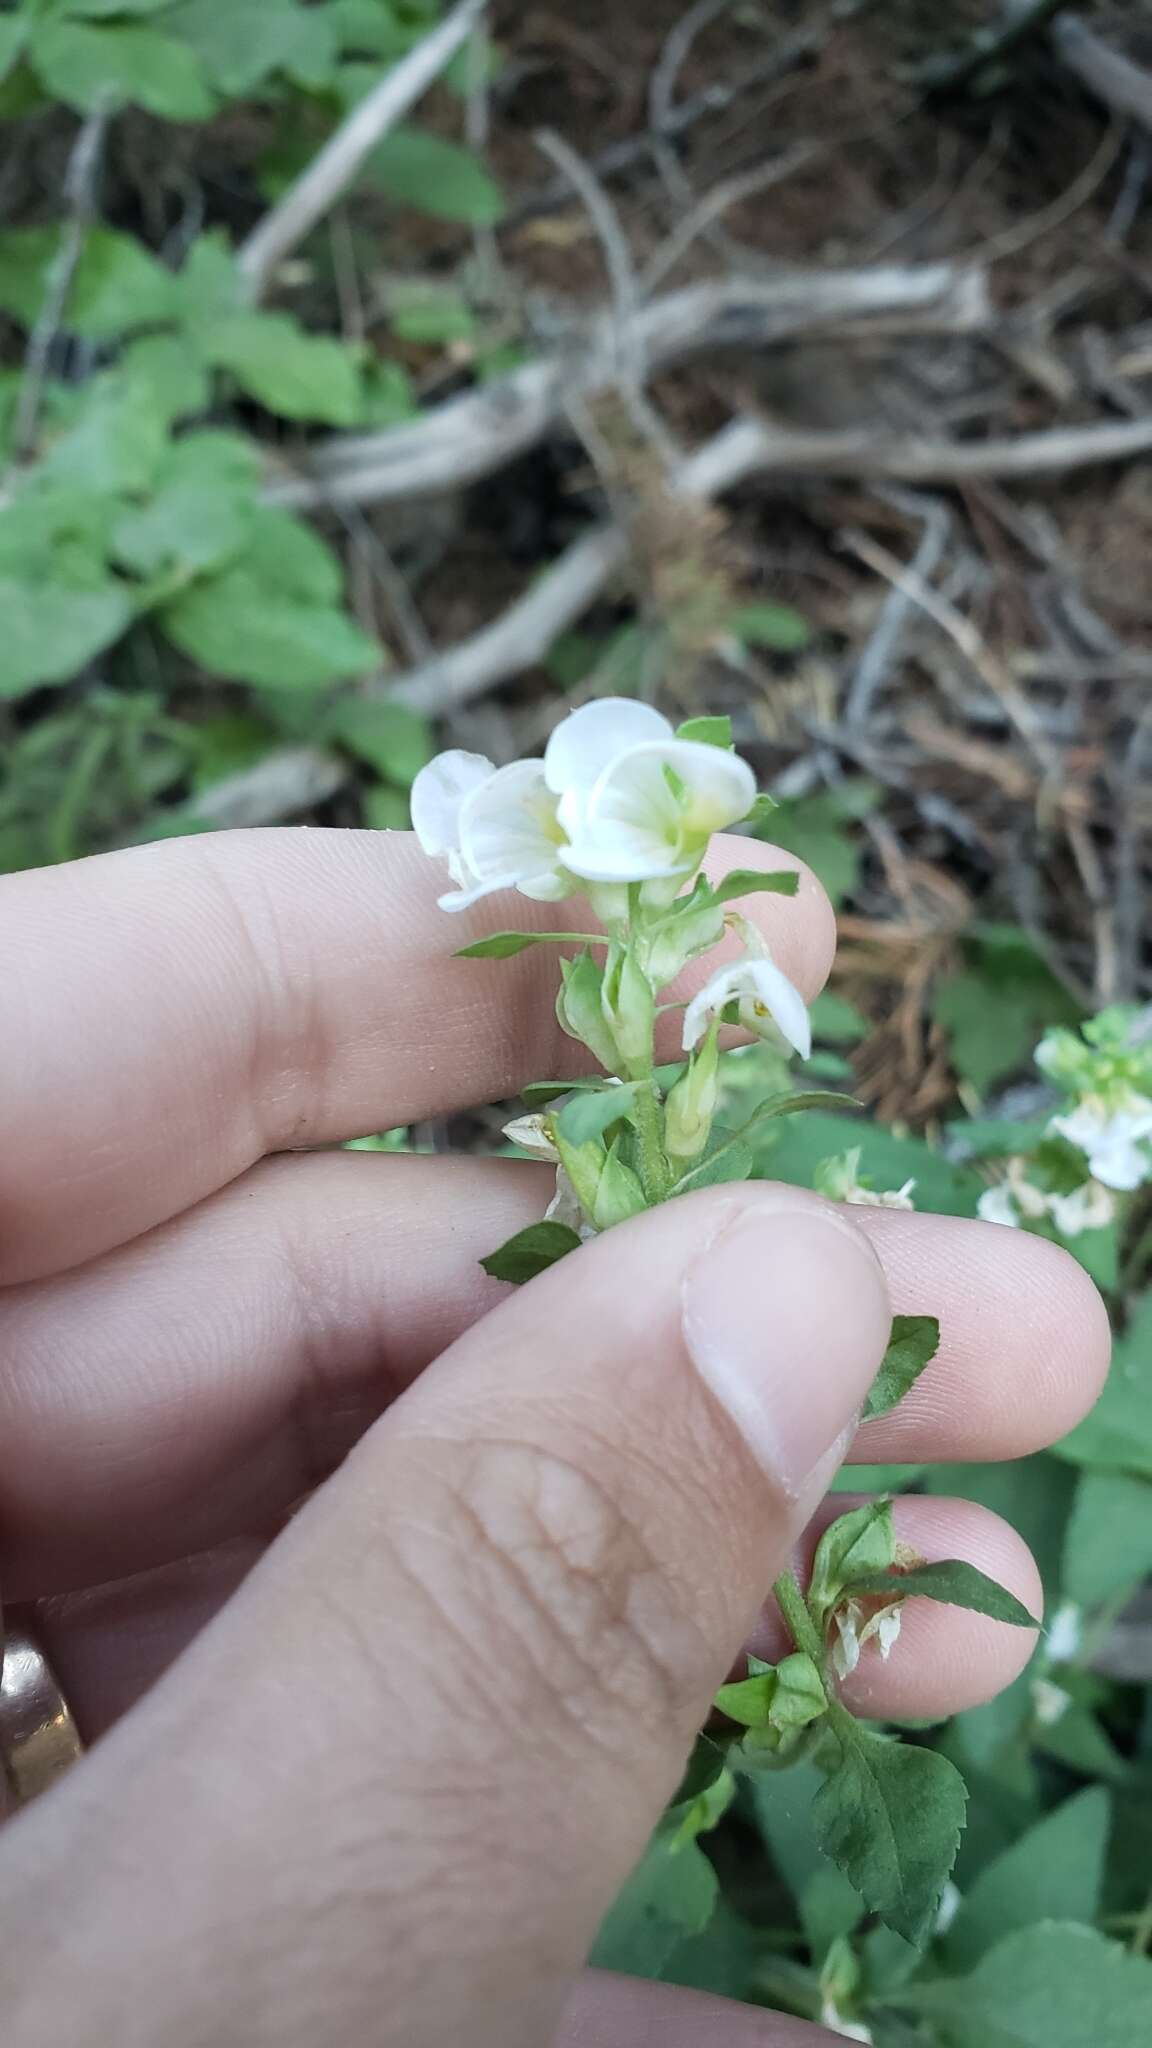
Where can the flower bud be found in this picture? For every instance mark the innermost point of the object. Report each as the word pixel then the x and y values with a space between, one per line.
pixel 692 1103
pixel 629 1010
pixel 580 1011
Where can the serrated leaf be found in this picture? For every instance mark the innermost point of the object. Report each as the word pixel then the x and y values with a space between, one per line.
pixel 590 1114
pixel 863 1540
pixel 1054 1986
pixel 505 945
pixel 530 1252
pixel 1054 1872
pixel 751 882
pixel 954 1583
pixel 890 1816
pixel 707 732
pixel 240 627
pixel 914 1342
pixel 88 66
pixel 117 285
pixel 51 632
pixel 301 376
pixel 437 177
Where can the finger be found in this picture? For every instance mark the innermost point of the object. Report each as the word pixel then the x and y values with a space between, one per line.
pixel 191 1386
pixel 176 1011
pixel 110 1644
pixel 468 1674
pixel 622 2012
pixel 945 1659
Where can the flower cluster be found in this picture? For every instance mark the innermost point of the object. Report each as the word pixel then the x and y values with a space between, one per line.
pixel 1098 1144
pixel 620 811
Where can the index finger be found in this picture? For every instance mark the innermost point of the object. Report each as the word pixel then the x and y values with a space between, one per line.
pixel 174 1012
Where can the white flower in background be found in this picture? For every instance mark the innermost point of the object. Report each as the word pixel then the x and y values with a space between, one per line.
pixel 1014 1200
pixel 1114 1138
pixel 839 1179
pixel 1091 1207
pixel 1049 1702
pixel 1064 1636
pixel 768 1004
pixel 635 803
pixel 950 1904
pixel 855 1627
pixel 497 827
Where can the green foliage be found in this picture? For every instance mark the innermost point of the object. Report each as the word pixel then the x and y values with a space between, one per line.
pixel 1053 1986
pixel 996 1009
pixel 1054 1872
pixel 913 1345
pixel 530 1252
pixel 954 1582
pixel 891 1815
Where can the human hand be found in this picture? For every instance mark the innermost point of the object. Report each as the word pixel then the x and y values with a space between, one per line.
pixel 420 1730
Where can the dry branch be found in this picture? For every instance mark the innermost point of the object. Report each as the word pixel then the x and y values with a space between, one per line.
pixel 1123 86
pixel 316 191
pixel 469 437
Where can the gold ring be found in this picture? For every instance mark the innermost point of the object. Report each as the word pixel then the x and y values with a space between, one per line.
pixel 39 1739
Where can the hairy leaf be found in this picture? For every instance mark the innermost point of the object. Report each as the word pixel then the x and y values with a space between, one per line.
pixel 863 1540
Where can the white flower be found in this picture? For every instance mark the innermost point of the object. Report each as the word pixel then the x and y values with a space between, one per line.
pixel 497 827
pixel 531 1134
pixel 997 1205
pixel 1050 1702
pixel 950 1904
pixel 1114 1139
pixel 635 803
pixel 1065 1633
pixel 765 997
pixel 1088 1208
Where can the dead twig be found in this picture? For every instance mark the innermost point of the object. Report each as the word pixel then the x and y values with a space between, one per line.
pixel 884 645
pixel 1122 85
pixel 316 191
pixel 80 199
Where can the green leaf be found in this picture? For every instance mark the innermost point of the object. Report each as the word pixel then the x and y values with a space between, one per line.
pixel 1054 1872
pixel 954 1583
pixel 103 10
pixel 88 67
pixel 890 1816
pixel 774 626
pixel 730 1161
pixel 995 1010
pixel 1054 1986
pixel 51 632
pixel 395 741
pixel 914 1342
pixel 707 732
pixel 203 513
pixel 437 177
pixel 241 46
pixel 428 315
pixel 819 829
pixel 783 1696
pixel 118 286
pixel 299 375
pixel 863 1540
pixel 530 1252
pixel 619 1195
pixel 1117 1435
pixel 171 372
pixel 1108 1545
pixel 117 444
pixel 13 36
pixel 750 882
pixel 588 1115
pixel 837 1022
pixel 504 945
pixel 239 626
pixel 803 1100
pixel 671 1895
pixel 793 1151
pixel 538 1094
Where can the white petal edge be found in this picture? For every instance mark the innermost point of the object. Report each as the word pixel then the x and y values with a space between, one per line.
pixel 585 742
pixel 438 796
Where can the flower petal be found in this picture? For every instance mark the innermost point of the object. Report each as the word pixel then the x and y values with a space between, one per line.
pixel 676 786
pixel 784 1003
pixel 439 793
pixel 508 829
pixel 996 1206
pixel 625 853
pixel 584 744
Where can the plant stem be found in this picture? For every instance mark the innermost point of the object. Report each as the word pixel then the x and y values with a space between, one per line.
pixel 655 1172
pixel 801 1627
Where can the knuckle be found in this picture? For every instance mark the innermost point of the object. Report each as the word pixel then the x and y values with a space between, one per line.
pixel 568 1592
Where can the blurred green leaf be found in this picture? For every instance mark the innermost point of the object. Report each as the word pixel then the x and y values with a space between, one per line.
pixel 819 830
pixel 88 66
pixel 1108 1547
pixel 774 626
pixel 51 632
pixel 996 1009
pixel 1054 1872
pixel 393 740
pixel 671 1895
pixel 302 376
pixel 1055 1986
pixel 437 177
pixel 118 286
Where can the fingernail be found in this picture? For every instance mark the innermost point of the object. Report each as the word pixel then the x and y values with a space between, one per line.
pixel 786 1318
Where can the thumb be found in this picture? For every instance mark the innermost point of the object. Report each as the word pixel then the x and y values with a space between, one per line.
pixel 410 1765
